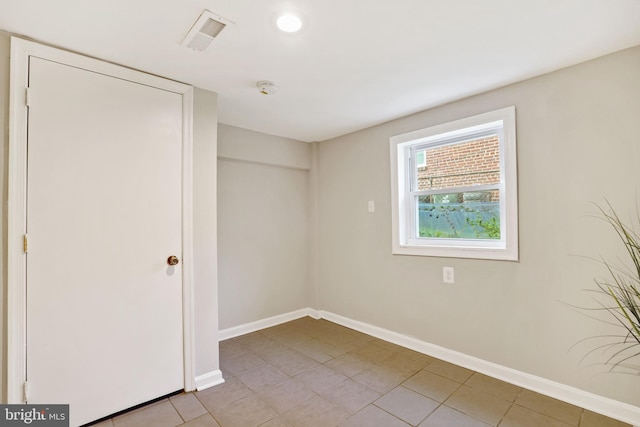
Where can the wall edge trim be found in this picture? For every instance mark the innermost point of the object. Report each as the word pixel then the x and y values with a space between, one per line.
pixel 235 159
pixel 247 328
pixel 209 379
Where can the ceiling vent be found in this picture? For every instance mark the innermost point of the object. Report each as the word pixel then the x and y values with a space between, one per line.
pixel 204 30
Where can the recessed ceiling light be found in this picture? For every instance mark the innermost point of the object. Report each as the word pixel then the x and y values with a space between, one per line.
pixel 289 23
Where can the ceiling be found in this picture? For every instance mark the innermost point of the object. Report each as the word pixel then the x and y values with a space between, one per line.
pixel 355 64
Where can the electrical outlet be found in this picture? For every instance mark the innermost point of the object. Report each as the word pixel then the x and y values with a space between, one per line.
pixel 447 274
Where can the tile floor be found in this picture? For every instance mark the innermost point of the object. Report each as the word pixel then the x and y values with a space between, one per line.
pixel 314 373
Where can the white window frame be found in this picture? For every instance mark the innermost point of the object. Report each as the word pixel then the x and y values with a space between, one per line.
pixel 404 220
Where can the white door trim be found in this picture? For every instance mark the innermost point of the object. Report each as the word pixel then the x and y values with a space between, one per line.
pixel 21 50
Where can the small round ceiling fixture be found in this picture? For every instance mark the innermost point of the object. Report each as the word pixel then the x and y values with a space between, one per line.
pixel 267 87
pixel 289 23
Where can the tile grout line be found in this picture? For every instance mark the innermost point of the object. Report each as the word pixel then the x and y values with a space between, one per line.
pixel 581 417
pixel 209 412
pixel 513 403
pixel 178 412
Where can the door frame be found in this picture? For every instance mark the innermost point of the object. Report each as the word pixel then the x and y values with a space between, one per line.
pixel 21 50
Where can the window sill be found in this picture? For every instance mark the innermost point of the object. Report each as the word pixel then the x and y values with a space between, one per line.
pixel 500 254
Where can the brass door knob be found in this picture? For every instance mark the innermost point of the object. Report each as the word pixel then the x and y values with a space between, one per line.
pixel 173 260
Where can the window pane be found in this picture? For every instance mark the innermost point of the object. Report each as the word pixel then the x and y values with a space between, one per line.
pixel 474 162
pixel 468 215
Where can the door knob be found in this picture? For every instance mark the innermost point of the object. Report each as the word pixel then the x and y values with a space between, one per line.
pixel 173 260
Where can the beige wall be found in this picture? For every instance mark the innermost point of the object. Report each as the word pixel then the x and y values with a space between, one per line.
pixel 205 272
pixel 577 135
pixel 249 146
pixel 263 225
pixel 205 255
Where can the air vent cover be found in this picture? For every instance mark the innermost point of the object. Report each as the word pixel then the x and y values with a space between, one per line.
pixel 204 30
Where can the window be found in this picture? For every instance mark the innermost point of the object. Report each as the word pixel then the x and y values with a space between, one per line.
pixel 454 189
pixel 421 159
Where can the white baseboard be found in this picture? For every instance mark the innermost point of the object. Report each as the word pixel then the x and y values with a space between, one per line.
pixel 209 380
pixel 584 399
pixel 593 402
pixel 225 334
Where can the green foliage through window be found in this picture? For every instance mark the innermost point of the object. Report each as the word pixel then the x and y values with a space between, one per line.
pixel 459 220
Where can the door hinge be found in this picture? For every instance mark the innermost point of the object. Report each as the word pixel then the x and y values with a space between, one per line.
pixel 25 389
pixel 27 97
pixel 25 243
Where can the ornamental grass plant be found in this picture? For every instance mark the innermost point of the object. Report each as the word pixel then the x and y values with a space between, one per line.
pixel 619 296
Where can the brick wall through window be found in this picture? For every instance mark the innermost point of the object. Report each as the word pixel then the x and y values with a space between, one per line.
pixel 469 163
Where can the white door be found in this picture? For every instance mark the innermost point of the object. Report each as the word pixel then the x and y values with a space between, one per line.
pixel 104 308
